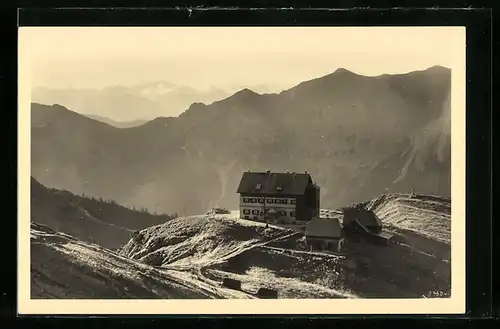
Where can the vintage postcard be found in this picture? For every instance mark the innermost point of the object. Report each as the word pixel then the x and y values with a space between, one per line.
pixel 241 170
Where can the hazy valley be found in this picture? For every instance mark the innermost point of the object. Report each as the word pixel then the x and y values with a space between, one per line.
pixel 127 106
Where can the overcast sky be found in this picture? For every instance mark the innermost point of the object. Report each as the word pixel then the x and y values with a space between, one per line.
pixel 227 57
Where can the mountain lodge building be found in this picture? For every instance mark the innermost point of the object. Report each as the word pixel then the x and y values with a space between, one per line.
pixel 281 198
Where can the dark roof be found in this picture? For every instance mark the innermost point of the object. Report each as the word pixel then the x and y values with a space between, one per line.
pixel 324 227
pixel 274 183
pixel 365 217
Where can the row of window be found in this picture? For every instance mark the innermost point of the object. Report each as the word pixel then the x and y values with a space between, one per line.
pixel 268 201
pixel 279 221
pixel 258 212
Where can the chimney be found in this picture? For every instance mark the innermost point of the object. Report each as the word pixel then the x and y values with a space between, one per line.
pixel 287 171
pixel 268 172
pixel 306 171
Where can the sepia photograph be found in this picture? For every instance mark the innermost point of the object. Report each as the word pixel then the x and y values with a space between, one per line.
pixel 297 164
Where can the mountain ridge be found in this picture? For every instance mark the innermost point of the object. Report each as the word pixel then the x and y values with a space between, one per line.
pixel 196 162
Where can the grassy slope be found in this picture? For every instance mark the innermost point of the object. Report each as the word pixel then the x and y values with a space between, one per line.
pixel 64 267
pixel 222 246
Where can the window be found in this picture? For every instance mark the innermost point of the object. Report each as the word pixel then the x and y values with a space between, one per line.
pixel 255 212
pixel 246 212
pixel 285 201
pixel 261 200
pixel 261 213
pixel 292 213
pixel 270 201
pixel 245 200
pixel 292 201
pixel 283 213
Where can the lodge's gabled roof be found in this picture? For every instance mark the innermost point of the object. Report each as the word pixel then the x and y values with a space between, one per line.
pixel 274 183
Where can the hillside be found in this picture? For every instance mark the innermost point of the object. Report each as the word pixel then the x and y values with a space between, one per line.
pixel 223 246
pixel 429 216
pixel 367 135
pixel 88 219
pixel 64 267
pixel 188 257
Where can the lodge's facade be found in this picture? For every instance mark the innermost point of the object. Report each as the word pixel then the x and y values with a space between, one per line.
pixel 282 198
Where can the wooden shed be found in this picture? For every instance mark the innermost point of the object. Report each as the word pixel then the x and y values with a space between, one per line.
pixel 324 234
pixel 360 219
pixel 362 224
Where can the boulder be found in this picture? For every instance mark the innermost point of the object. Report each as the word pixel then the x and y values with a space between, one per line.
pixel 267 293
pixel 231 283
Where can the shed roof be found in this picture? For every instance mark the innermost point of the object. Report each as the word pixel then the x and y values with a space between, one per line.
pixel 324 227
pixel 365 217
pixel 274 183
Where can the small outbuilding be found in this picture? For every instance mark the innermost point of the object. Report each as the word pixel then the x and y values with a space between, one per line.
pixel 324 234
pixel 360 223
pixel 382 238
pixel 361 219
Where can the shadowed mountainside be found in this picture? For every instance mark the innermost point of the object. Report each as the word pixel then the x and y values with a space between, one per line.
pixel 358 136
pixel 88 219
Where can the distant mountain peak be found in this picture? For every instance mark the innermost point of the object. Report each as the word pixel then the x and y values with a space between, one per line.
pixel 246 91
pixel 56 107
pixel 438 67
pixel 244 94
pixel 197 105
pixel 342 70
